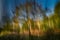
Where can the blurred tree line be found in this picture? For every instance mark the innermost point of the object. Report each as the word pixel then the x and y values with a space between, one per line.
pixel 51 22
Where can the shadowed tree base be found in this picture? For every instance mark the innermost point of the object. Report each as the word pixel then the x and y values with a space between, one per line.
pixel 22 37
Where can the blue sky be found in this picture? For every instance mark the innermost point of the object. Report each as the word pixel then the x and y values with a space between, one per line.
pixel 9 5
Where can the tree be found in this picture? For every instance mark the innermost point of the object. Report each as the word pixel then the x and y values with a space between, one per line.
pixel 57 9
pixel 57 14
pixel 7 23
pixel 16 21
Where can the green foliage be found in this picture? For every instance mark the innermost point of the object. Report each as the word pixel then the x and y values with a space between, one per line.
pixel 32 24
pixel 25 26
pixel 7 26
pixel 57 8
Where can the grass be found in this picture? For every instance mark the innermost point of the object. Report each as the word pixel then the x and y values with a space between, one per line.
pixel 24 37
pixel 49 35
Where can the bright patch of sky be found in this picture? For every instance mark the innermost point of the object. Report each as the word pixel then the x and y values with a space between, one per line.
pixel 50 4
